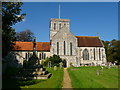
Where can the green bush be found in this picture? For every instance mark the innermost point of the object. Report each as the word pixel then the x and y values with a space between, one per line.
pixel 55 60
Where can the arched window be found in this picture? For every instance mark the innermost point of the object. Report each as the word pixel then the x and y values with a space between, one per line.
pixel 94 53
pixel 99 54
pixel 60 26
pixel 85 54
pixel 44 55
pixel 64 24
pixel 57 48
pixel 64 48
pixel 70 48
pixel 54 26
pixel 40 56
pixel 26 56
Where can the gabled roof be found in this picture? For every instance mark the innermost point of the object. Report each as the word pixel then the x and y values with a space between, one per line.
pixel 89 41
pixel 28 46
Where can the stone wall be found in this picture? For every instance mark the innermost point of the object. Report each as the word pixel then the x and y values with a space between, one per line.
pixel 99 60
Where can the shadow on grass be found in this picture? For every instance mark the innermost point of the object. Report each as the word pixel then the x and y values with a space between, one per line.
pixel 14 83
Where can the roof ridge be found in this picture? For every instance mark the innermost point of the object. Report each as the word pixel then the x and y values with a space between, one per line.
pixel 29 41
pixel 86 36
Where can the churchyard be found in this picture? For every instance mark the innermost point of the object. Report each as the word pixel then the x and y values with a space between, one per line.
pixel 87 77
pixel 54 82
pixel 81 77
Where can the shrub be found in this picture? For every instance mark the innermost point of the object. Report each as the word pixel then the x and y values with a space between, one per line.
pixel 55 60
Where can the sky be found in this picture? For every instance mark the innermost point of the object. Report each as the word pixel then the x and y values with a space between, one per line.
pixel 86 18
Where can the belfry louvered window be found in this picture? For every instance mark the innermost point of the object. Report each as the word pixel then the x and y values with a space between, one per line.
pixel 54 26
pixel 60 26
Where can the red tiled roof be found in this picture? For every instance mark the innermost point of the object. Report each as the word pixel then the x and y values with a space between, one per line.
pixel 43 46
pixel 89 41
pixel 28 46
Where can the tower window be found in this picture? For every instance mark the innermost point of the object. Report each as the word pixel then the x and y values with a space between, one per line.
pixel 70 48
pixel 57 48
pixel 54 26
pixel 60 26
pixel 64 24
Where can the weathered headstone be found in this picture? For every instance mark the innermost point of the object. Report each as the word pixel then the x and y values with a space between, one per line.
pixel 49 64
pixel 97 72
pixel 108 66
pixel 55 68
pixel 102 68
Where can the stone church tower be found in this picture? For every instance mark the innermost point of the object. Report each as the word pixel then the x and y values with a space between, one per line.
pixel 57 24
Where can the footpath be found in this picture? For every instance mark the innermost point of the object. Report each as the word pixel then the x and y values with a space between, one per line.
pixel 66 80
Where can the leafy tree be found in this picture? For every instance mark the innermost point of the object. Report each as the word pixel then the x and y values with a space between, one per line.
pixel 25 35
pixel 10 16
pixel 112 49
pixel 55 60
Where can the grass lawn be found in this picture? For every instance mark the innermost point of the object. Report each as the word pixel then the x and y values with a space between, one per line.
pixel 55 81
pixel 85 77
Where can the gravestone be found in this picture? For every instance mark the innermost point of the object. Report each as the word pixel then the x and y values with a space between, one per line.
pixel 97 72
pixel 102 68
pixel 108 66
pixel 49 64
pixel 55 68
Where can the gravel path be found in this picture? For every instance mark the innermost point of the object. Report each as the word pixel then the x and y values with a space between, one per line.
pixel 66 80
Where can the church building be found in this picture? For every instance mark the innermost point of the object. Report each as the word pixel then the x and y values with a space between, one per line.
pixel 75 50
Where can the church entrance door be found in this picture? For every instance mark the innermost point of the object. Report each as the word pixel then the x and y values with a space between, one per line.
pixel 64 63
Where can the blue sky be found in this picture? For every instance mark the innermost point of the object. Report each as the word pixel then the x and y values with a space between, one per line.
pixel 86 18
